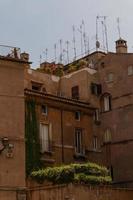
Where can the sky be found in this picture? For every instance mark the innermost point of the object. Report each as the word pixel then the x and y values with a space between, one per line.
pixel 37 25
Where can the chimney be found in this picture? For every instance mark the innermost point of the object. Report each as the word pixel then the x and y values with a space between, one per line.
pixel 121 46
pixel 25 56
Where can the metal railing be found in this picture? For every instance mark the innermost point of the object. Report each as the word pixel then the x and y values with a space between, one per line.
pixel 10 52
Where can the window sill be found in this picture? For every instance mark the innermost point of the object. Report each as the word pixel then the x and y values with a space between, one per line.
pixel 50 153
pixel 105 111
pixel 97 122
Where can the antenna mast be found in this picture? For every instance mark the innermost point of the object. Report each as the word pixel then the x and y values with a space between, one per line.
pixel 84 35
pixel 106 35
pixel 67 51
pixel 46 54
pixel 103 34
pixel 88 45
pixel 97 17
pixel 81 33
pixel 60 51
pixel 118 26
pixel 55 48
pixel 74 43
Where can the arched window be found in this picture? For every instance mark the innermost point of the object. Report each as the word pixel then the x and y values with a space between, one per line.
pixel 106 103
pixel 107 135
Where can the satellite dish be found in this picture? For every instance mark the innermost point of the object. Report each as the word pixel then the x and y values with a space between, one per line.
pixel 97 44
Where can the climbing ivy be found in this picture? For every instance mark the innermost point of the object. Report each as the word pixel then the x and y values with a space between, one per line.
pixel 32 138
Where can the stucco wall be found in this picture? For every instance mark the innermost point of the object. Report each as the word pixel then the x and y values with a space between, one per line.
pixel 78 192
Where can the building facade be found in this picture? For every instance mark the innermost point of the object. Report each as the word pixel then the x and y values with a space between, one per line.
pixel 82 111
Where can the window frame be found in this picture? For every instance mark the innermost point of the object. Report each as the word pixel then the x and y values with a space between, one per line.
pixel 78 141
pixel 75 92
pixel 106 102
pixel 45 144
pixel 46 108
pixel 78 117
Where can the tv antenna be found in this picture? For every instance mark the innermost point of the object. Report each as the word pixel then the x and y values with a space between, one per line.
pixel 67 50
pixel 74 42
pixel 118 26
pixel 81 35
pixel 46 54
pixel 88 45
pixel 84 35
pixel 61 56
pixel 55 49
pixel 103 34
pixel 40 61
pixel 105 29
pixel 97 42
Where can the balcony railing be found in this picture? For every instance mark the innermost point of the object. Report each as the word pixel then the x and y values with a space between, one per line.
pixel 10 52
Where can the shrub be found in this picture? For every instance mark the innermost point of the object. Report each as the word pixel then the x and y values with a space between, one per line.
pixel 88 173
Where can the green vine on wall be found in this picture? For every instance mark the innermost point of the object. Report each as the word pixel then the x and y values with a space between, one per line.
pixel 32 138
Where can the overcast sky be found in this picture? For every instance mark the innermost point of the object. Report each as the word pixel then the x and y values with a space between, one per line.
pixel 34 25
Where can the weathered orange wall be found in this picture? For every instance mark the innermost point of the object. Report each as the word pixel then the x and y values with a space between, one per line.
pixel 78 192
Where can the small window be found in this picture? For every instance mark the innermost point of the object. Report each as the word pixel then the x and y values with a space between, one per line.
pixel 75 92
pixel 130 70
pixel 107 135
pixel 44 109
pixel 36 86
pixel 79 147
pixel 77 115
pixel 95 142
pixel 96 115
pixel 96 89
pixel 110 77
pixel 106 103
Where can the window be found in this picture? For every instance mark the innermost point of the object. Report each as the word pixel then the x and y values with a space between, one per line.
pixel 95 142
pixel 77 115
pixel 110 77
pixel 107 135
pixel 106 102
pixel 96 89
pixel 96 115
pixel 130 70
pixel 44 109
pixel 36 86
pixel 75 92
pixel 79 142
pixel 45 141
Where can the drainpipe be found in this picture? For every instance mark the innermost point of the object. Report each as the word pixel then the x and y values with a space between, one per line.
pixel 62 137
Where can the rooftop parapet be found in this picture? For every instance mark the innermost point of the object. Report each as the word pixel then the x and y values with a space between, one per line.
pixel 10 52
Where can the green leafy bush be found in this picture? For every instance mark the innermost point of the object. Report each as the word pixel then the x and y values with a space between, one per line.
pixel 90 168
pixel 88 179
pixel 88 173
